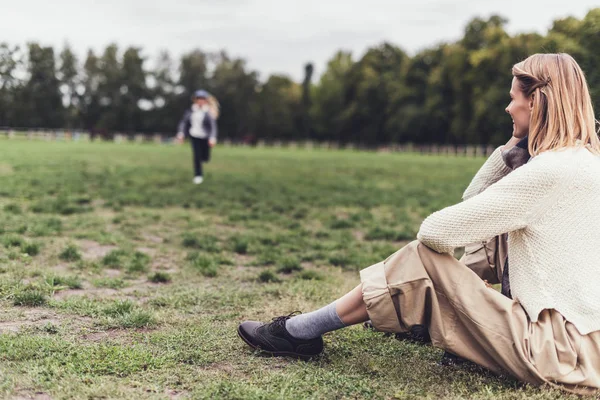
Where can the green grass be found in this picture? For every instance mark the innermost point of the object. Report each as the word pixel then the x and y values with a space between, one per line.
pixel 205 264
pixel 13 241
pixel 287 265
pixel 240 244
pixel 310 275
pixel 138 262
pixel 268 232
pixel 13 209
pixel 111 283
pixel 114 259
pixel 160 277
pixel 58 282
pixel 268 276
pixel 70 253
pixel 29 298
pixel 31 248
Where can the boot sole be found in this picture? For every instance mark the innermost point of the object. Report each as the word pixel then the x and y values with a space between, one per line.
pixel 276 353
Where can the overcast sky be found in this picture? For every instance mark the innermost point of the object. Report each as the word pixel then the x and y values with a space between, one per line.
pixel 273 35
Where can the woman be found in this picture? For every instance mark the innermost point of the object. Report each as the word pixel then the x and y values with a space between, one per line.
pixel 549 333
pixel 199 123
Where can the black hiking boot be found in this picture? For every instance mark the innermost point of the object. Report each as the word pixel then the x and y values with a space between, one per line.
pixel 417 333
pixel 452 360
pixel 274 339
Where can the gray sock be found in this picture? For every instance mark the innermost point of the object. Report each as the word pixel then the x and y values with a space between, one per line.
pixel 314 324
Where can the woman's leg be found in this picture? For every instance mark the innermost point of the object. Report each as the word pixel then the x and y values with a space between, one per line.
pixel 351 308
pixel 348 310
pixel 301 335
pixel 197 156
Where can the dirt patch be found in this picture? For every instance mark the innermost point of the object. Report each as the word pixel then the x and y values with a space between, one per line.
pixel 243 259
pixel 140 287
pixel 137 289
pixel 175 394
pixel 61 269
pixel 96 292
pixel 93 250
pixel 112 334
pixel 33 318
pixel 124 336
pixel 220 366
pixel 358 235
pixel 39 315
pixel 152 238
pixel 13 326
pixel 6 169
pixel 17 326
pixel 63 294
pixel 112 273
pixel 163 263
pixel 147 250
pixel 31 396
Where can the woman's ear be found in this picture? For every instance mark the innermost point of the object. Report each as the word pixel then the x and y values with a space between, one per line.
pixel 531 99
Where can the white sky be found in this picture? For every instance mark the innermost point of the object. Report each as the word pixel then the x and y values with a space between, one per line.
pixel 274 36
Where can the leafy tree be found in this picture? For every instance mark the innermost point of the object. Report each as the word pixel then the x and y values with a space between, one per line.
pixel 68 74
pixel 451 93
pixel 40 98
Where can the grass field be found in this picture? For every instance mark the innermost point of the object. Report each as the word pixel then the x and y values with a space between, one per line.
pixel 121 279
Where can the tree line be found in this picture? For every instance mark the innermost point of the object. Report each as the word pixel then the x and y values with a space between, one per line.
pixel 451 93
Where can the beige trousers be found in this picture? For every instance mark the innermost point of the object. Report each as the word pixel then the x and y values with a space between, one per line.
pixel 417 286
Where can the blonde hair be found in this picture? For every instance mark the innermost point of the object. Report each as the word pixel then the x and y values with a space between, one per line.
pixel 214 108
pixel 562 114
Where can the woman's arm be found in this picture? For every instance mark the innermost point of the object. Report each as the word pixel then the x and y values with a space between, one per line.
pixel 181 127
pixel 492 171
pixel 507 205
pixel 213 130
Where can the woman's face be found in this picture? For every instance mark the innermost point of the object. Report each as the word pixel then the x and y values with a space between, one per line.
pixel 519 110
pixel 200 101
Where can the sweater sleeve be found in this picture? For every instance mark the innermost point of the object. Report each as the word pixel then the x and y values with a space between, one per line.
pixel 214 129
pixel 492 171
pixel 181 127
pixel 507 205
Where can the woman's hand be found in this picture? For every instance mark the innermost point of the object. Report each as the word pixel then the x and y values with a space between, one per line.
pixel 511 143
pixel 212 142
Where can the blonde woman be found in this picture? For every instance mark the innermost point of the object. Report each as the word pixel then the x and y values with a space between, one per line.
pixel 199 123
pixel 549 333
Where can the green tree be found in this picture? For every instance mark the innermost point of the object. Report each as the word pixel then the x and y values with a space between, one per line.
pixel 9 84
pixel 90 99
pixel 165 110
pixel 68 74
pixel 280 109
pixel 237 89
pixel 370 83
pixel 40 97
pixel 133 90
pixel 109 89
pixel 329 98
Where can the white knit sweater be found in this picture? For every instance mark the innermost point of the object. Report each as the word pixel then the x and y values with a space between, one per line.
pixel 551 209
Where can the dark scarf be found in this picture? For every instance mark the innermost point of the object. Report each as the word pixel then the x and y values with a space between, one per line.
pixel 514 158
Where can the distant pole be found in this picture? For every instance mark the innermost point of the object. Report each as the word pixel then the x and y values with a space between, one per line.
pixel 306 101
